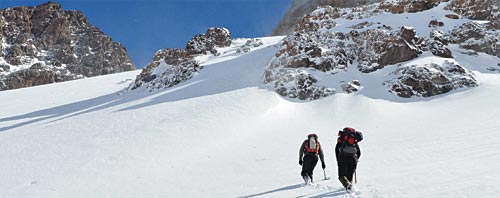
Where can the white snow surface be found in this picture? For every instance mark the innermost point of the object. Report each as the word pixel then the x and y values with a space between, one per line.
pixel 225 134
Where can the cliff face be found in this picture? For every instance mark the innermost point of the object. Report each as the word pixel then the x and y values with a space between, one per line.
pixel 46 44
pixel 301 7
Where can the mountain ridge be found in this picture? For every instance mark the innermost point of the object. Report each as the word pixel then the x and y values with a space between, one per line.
pixel 46 44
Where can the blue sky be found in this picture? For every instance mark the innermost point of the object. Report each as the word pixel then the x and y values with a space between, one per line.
pixel 147 26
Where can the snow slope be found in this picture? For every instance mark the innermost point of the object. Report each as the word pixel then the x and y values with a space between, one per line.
pixel 225 134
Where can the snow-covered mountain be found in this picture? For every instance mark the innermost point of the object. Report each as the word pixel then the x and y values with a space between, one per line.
pixel 413 46
pixel 46 44
pixel 224 133
pixel 203 122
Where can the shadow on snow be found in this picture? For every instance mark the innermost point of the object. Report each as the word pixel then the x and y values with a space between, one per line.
pixel 211 80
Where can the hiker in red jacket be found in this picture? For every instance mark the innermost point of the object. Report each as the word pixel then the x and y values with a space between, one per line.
pixel 308 157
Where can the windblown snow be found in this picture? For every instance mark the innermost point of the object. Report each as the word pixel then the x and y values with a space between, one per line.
pixel 224 133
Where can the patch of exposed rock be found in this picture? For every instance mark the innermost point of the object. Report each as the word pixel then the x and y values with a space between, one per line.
pixel 478 37
pixel 438 44
pixel 173 66
pixel 250 43
pixel 408 6
pixel 298 84
pixel 208 42
pixel 351 87
pixel 299 8
pixel 476 9
pixel 430 79
pixel 169 67
pixel 63 41
pixel 315 46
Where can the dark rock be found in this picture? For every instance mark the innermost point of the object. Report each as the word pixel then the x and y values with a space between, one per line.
pixel 476 9
pixel 408 33
pixel 380 49
pixel 56 37
pixel 438 44
pixel 251 43
pixel 430 80
pixel 477 37
pixel 207 43
pixel 436 23
pixel 178 66
pixel 410 6
pixel 4 68
pixel 300 8
pixel 351 87
pixel 297 84
pixel 452 16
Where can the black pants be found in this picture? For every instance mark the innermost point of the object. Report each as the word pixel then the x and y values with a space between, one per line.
pixel 347 166
pixel 310 161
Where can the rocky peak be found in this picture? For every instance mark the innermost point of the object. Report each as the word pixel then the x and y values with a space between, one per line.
pixel 173 66
pixel 299 8
pixel 63 41
pixel 207 43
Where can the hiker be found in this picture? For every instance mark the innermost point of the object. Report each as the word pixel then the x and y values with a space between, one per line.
pixel 347 152
pixel 308 157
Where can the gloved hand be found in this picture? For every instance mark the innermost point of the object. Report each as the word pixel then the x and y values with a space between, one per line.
pixel 300 162
pixel 323 165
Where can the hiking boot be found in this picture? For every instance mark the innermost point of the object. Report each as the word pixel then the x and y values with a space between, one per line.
pixel 306 179
pixel 349 187
pixel 345 182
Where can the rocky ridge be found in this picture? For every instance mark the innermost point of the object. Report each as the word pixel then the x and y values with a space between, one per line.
pixel 173 66
pixel 46 44
pixel 299 8
pixel 319 48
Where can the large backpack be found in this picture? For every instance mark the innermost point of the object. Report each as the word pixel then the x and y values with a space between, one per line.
pixel 312 144
pixel 349 139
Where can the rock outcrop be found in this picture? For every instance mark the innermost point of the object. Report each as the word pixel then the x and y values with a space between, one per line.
pixel 430 79
pixel 476 9
pixel 173 66
pixel 318 59
pixel 299 8
pixel 207 43
pixel 169 67
pixel 46 44
pixel 408 6
pixel 478 37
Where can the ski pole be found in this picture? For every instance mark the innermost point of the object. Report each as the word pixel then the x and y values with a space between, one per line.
pixel 355 178
pixel 324 173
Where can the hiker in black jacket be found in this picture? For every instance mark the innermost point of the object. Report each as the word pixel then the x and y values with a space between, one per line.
pixel 347 152
pixel 308 157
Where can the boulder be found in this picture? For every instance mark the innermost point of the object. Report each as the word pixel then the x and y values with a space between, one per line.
pixel 430 79
pixel 436 23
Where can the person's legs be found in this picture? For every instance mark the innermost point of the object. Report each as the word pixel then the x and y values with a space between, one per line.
pixel 314 161
pixel 351 168
pixel 343 171
pixel 306 166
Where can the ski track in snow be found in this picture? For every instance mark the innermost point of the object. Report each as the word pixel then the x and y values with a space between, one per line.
pixel 225 134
